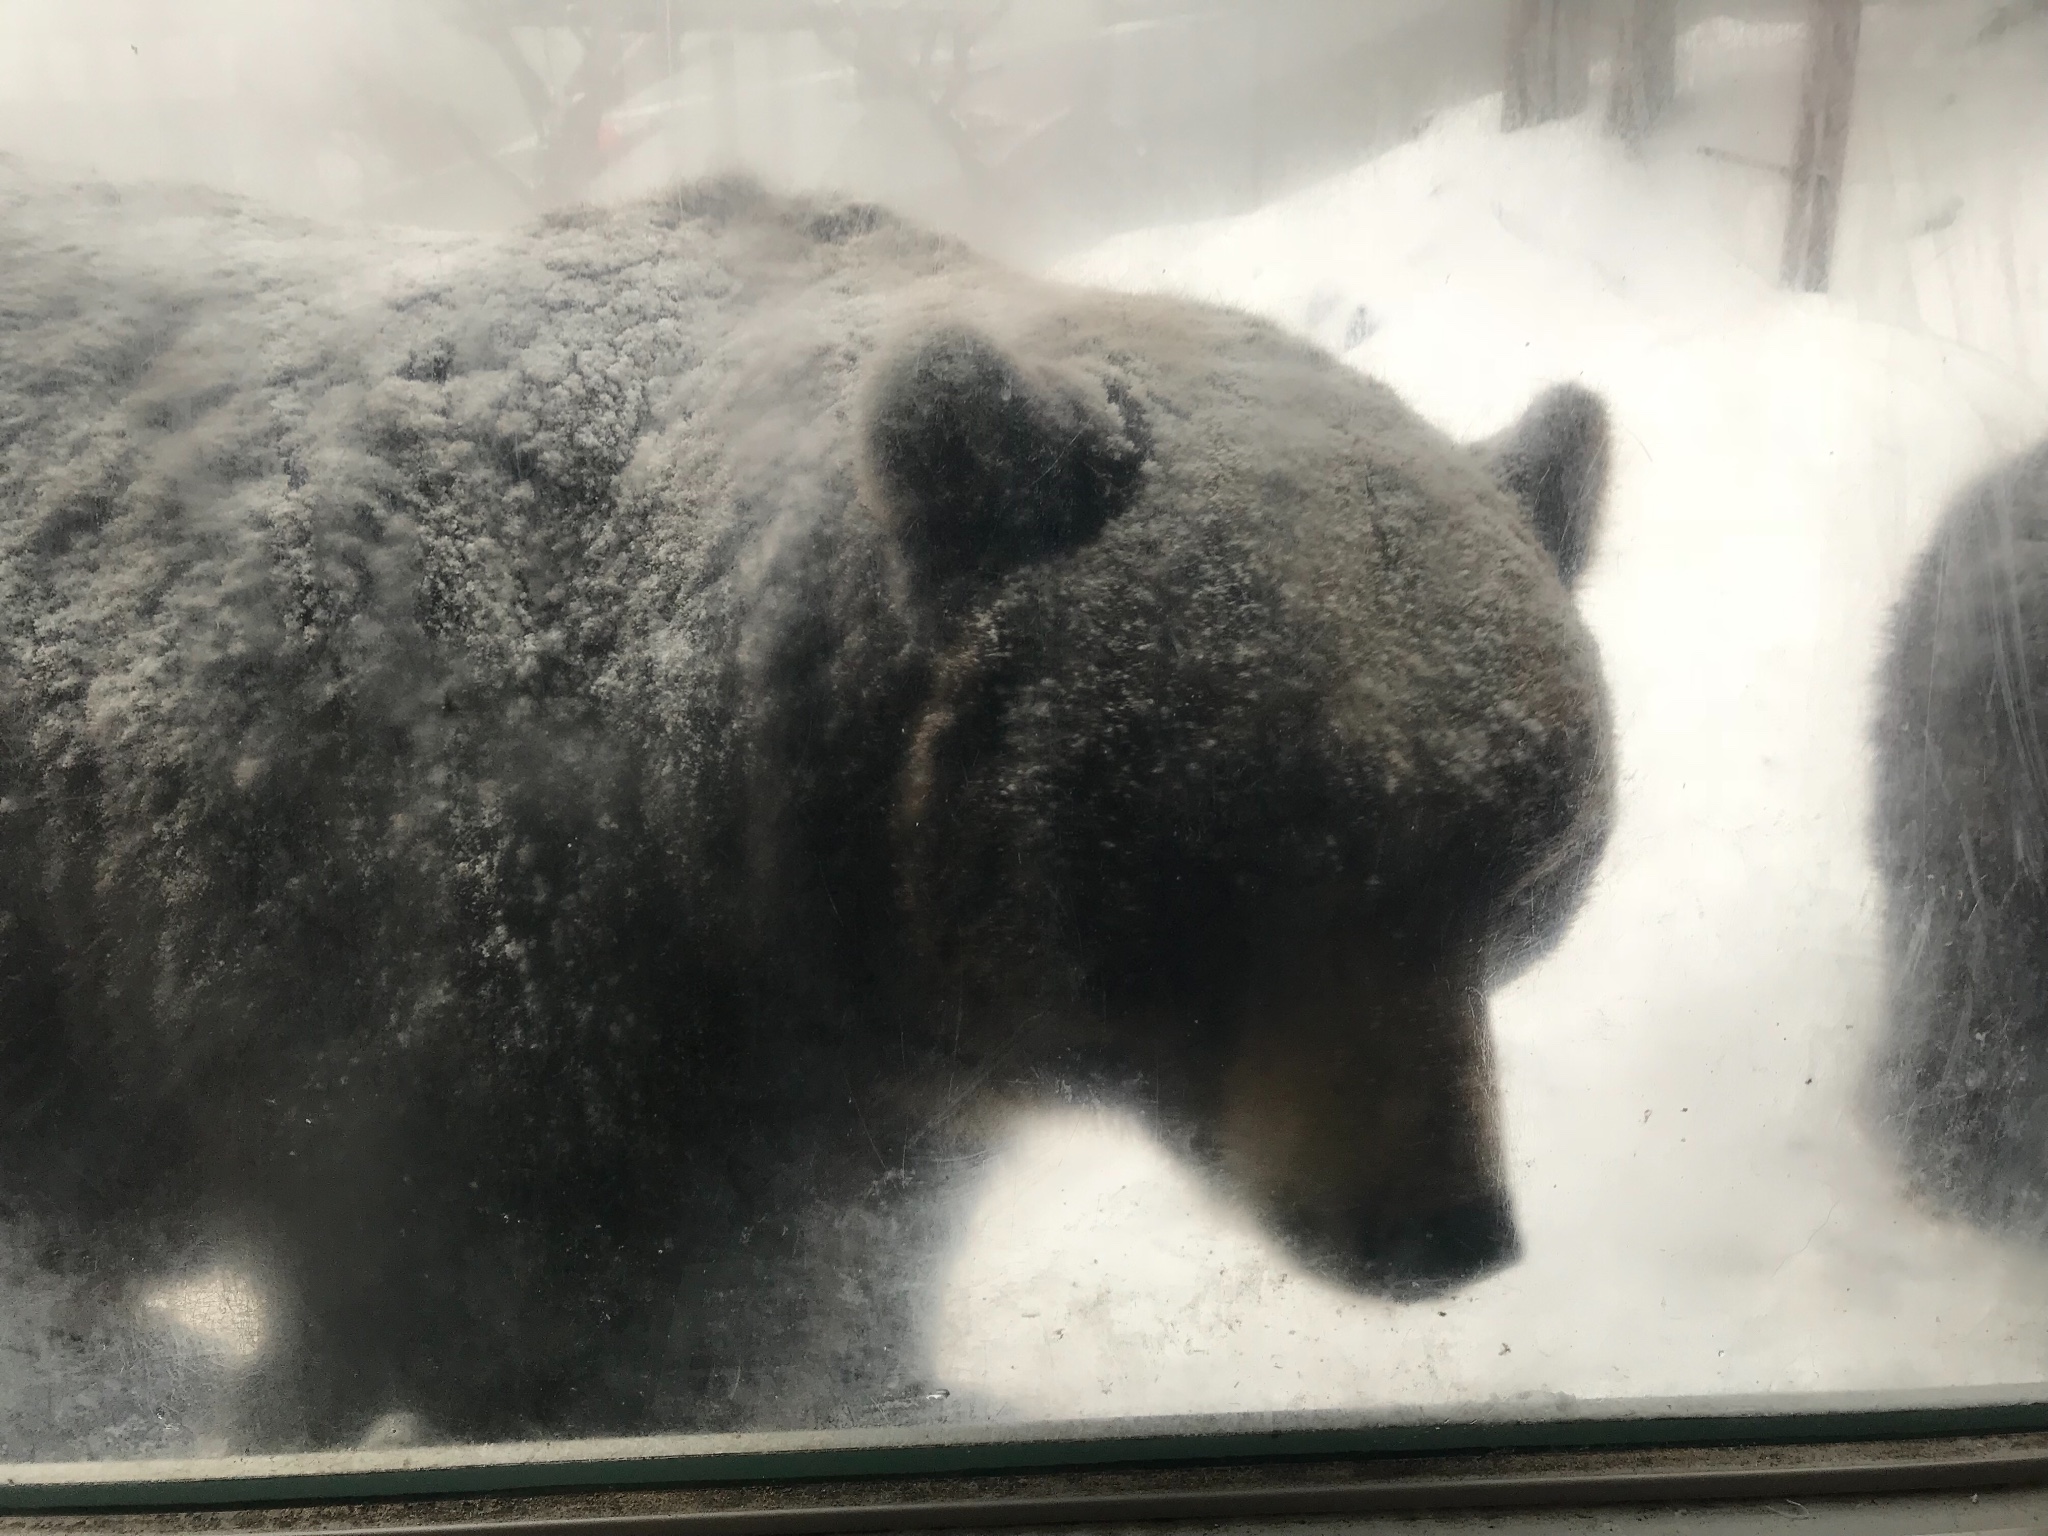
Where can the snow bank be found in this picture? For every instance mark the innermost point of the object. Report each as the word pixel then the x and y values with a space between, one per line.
pixel 1702 1210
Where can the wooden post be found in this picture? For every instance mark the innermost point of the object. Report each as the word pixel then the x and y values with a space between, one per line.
pixel 1547 59
pixel 1821 145
pixel 1645 67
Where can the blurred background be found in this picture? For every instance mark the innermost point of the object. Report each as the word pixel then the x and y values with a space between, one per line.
pixel 1032 128
pixel 1029 126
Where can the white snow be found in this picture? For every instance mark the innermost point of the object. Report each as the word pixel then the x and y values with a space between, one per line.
pixel 1701 1209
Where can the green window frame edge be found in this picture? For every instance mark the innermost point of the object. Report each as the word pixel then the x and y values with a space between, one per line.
pixel 965 1451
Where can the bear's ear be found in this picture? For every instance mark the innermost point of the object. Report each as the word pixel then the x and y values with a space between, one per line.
pixel 1554 461
pixel 980 466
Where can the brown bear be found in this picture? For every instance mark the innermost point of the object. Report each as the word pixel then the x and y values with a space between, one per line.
pixel 548 782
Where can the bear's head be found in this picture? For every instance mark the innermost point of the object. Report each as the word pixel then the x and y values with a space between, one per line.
pixel 1257 735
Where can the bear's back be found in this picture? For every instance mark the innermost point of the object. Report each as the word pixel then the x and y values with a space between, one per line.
pixel 376 594
pixel 234 435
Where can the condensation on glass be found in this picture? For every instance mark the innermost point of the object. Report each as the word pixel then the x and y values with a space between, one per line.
pixel 851 715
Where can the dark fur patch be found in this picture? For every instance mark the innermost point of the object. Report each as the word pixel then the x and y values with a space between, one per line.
pixel 1962 841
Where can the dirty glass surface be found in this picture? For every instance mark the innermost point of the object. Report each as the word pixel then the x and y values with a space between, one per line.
pixel 863 716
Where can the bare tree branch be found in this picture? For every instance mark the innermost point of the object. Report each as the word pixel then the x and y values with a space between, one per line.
pixel 489 27
pixel 1827 93
pixel 895 51
pixel 391 117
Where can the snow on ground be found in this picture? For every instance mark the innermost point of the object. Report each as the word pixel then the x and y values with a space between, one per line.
pixel 1701 1209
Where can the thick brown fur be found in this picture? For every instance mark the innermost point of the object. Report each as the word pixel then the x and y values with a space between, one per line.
pixel 540 777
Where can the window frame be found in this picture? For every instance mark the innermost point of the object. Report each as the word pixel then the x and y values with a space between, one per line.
pixel 1265 1467
pixel 1957 1482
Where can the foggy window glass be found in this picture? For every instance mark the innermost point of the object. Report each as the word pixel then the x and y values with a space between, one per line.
pixel 940 716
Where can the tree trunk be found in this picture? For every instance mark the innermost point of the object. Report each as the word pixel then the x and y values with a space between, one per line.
pixel 1833 28
pixel 1547 58
pixel 1645 67
pixel 725 101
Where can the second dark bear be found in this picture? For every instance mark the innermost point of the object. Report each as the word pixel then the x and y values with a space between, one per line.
pixel 1962 837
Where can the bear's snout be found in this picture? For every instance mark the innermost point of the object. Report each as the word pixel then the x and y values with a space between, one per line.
pixel 1358 1118
pixel 1416 1256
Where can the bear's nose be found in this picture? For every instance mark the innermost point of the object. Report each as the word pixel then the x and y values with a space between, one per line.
pixel 1421 1255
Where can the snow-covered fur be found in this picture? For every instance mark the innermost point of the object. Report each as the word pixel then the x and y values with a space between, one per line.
pixel 543 777
pixel 1962 833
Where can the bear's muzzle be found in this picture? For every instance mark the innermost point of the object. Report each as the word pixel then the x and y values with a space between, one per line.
pixel 1358 1117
